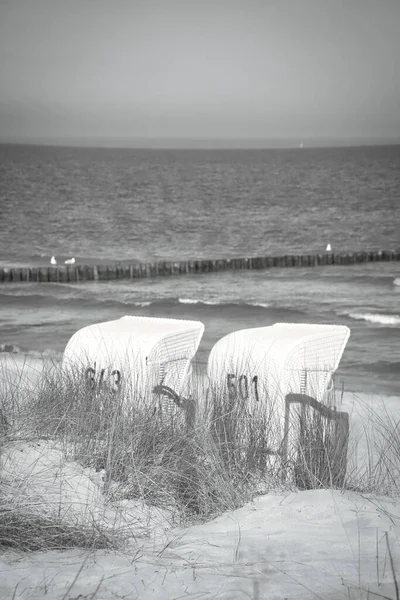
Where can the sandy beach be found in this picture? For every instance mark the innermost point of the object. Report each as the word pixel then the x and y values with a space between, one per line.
pixel 328 544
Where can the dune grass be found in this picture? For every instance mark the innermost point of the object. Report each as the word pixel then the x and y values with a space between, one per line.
pixel 211 454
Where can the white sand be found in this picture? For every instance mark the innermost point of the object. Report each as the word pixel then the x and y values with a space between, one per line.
pixel 320 543
pixel 300 545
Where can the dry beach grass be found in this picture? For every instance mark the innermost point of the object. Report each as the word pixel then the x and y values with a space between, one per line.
pixel 172 468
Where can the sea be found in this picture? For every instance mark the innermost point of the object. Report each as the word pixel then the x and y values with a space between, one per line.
pixel 108 205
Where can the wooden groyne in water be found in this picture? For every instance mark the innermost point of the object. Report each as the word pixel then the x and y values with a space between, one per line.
pixel 76 273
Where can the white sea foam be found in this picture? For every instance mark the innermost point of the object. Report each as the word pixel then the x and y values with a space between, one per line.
pixel 220 302
pixel 144 303
pixel 197 301
pixel 376 318
pixel 188 301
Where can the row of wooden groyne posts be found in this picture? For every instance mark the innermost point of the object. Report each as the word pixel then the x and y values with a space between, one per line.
pixel 77 272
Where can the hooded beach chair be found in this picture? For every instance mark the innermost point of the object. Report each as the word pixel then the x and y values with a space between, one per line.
pixel 134 354
pixel 260 367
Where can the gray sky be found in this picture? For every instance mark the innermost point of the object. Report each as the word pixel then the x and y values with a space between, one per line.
pixel 111 69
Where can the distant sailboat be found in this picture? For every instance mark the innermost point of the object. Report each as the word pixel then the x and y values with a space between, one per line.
pixel 53 260
pixel 301 145
pixel 329 248
pixel 70 261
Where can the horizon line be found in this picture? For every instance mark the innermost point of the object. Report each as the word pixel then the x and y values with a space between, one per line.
pixel 193 143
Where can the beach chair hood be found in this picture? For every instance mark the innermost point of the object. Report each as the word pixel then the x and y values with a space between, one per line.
pixel 140 352
pixel 282 358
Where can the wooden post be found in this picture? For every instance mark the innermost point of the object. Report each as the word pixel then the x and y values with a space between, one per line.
pixel 153 269
pixel 101 272
pixel 53 274
pixel 361 257
pixel 62 274
pixel 43 274
pixel 262 262
pixel 15 274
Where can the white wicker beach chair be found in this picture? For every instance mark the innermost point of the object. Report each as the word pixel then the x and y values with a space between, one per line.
pixel 135 354
pixel 261 366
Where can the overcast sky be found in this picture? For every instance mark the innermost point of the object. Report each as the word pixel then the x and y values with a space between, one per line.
pixel 199 69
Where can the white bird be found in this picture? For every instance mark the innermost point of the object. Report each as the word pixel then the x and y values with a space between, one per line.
pixel 53 260
pixel 329 248
pixel 70 261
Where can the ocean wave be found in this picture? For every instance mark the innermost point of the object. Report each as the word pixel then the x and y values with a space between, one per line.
pixel 94 304
pixel 222 302
pixel 48 301
pixel 9 348
pixel 198 301
pixel 44 301
pixel 376 318
pixel 382 367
